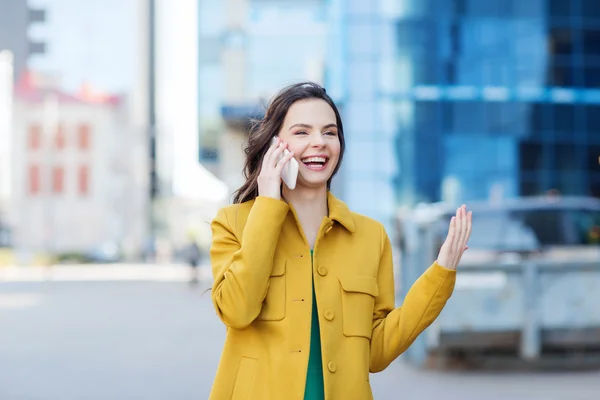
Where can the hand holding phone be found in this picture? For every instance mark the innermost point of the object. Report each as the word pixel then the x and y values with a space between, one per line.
pixel 289 174
pixel 277 164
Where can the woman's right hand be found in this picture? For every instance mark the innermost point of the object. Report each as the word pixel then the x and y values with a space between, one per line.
pixel 269 179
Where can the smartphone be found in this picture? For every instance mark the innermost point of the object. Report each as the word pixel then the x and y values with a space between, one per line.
pixel 289 174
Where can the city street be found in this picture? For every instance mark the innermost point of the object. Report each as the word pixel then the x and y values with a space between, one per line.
pixel 137 337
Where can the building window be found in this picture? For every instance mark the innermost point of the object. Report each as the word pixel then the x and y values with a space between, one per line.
pixel 593 160
pixel 564 118
pixel 59 137
pixel 561 42
pixel 58 178
pixel 560 10
pixel 34 179
pixel 83 180
pixel 83 137
pixel 35 137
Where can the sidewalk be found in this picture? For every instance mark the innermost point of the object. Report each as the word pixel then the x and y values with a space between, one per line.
pixel 103 273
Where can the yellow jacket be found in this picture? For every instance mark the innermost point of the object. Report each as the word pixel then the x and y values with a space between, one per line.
pixel 262 291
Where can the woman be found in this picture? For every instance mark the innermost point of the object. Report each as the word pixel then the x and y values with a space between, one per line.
pixel 304 285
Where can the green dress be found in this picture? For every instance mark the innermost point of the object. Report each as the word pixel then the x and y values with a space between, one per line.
pixel 314 389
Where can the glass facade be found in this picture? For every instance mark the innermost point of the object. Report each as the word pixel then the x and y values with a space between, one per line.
pixel 455 100
pixel 465 100
pixel 359 67
pixel 211 23
pixel 279 43
pixel 286 44
pixel 496 97
pixel 489 98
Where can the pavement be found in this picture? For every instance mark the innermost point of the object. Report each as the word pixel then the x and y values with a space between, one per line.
pixel 128 332
pixel 102 273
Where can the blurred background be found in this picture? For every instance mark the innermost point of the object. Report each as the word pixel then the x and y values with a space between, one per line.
pixel 122 126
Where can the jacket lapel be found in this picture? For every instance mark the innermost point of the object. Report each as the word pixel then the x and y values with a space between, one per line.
pixel 339 211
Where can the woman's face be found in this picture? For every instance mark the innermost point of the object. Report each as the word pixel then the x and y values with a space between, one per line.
pixel 310 131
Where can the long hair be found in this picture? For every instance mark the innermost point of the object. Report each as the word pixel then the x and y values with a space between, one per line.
pixel 262 131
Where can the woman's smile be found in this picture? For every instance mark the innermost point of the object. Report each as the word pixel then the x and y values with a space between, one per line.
pixel 316 163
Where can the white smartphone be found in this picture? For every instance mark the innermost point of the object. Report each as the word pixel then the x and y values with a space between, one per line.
pixel 289 174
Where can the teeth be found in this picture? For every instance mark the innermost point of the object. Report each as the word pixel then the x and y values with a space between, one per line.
pixel 314 159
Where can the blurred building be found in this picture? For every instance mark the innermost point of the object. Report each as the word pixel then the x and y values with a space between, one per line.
pixel 188 195
pixel 247 52
pixel 486 98
pixel 453 100
pixel 176 90
pixel 6 95
pixel 16 17
pixel 91 42
pixel 464 100
pixel 16 47
pixel 361 50
pixel 76 187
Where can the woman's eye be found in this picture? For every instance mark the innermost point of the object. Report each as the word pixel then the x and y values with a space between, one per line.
pixel 300 133
pixel 331 133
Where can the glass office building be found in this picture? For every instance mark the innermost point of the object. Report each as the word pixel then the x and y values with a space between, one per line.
pixel 275 43
pixel 459 100
pixel 476 98
pixel 360 57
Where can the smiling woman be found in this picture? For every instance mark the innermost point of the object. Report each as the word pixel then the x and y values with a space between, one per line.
pixel 304 285
pixel 300 100
pixel 314 141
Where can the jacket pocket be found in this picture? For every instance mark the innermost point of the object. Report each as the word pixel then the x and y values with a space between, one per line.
pixel 358 300
pixel 244 379
pixel 273 308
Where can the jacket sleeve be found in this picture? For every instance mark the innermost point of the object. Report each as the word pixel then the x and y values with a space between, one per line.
pixel 242 266
pixel 395 329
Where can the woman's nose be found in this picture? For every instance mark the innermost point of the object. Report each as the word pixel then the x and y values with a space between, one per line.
pixel 317 140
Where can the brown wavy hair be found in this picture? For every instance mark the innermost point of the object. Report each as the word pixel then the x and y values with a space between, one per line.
pixel 261 132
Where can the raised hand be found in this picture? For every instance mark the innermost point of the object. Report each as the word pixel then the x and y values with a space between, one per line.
pixel 269 179
pixel 456 241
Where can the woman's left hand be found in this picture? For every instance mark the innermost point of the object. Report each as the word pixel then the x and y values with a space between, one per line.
pixel 456 241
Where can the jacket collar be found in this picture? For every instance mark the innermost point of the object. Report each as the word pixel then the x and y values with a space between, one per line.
pixel 339 211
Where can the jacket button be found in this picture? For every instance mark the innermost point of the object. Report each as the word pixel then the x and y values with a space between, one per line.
pixel 328 230
pixel 331 366
pixel 322 271
pixel 329 315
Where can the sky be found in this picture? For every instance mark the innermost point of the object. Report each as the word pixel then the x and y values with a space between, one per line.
pixel 90 41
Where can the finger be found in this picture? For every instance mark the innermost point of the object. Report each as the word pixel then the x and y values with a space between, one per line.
pixel 284 160
pixel 445 256
pixel 469 226
pixel 464 239
pixel 456 243
pixel 463 231
pixel 275 155
pixel 451 231
pixel 273 145
pixel 271 149
pixel 460 236
pixel 279 153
